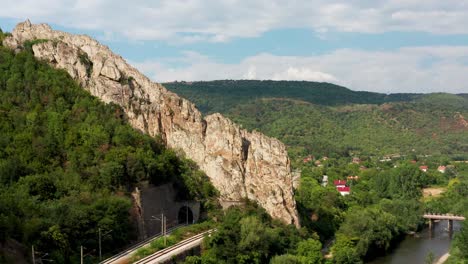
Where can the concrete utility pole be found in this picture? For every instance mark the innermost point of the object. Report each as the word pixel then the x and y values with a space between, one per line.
pixel 164 227
pixel 101 235
pixel 33 257
pixel 100 253
pixel 81 253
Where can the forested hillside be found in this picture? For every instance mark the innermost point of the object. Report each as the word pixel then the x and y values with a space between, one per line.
pixel 68 163
pixel 325 119
pixel 228 93
pixel 319 119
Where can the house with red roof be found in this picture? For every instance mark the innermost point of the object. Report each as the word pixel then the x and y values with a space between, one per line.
pixel 343 190
pixel 442 169
pixel 423 168
pixel 341 187
pixel 339 183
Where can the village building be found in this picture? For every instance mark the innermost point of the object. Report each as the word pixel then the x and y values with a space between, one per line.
pixel 344 190
pixel 325 180
pixel 341 187
pixel 339 183
pixel 308 158
pixel 441 169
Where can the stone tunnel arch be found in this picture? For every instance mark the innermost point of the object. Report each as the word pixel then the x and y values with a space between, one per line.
pixel 185 215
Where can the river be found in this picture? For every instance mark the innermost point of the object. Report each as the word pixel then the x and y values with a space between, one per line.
pixel 416 248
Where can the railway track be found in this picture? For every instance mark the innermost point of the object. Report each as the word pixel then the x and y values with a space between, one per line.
pixel 173 249
pixel 132 249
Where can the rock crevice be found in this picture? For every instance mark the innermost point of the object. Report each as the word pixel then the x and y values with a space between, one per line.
pixel 239 163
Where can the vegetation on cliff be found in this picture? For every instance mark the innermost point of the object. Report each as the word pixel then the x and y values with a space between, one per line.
pixel 68 162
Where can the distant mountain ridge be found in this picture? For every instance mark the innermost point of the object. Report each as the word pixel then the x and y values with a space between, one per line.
pixel 314 92
pixel 326 119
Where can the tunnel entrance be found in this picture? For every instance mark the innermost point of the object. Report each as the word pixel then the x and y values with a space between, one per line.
pixel 185 215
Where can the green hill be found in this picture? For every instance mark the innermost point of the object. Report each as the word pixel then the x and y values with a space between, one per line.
pixel 219 96
pixel 68 163
pixel 325 119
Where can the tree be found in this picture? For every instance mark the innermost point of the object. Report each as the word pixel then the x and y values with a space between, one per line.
pixel 286 259
pixel 255 240
pixel 249 235
pixel 461 240
pixel 310 249
pixel 344 251
pixel 42 186
pixel 370 229
pixel 321 208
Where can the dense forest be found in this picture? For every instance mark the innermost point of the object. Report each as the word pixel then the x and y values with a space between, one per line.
pixel 226 94
pixel 68 163
pixel 323 119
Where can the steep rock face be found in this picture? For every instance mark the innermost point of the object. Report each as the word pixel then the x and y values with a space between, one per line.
pixel 240 164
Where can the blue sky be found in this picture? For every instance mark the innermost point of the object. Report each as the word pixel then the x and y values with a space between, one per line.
pixel 382 46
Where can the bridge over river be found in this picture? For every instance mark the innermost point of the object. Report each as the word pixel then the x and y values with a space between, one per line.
pixel 449 217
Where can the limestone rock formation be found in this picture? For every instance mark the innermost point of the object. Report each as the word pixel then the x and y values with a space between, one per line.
pixel 240 164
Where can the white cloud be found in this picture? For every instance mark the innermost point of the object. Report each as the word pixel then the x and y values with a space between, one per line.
pixel 185 21
pixel 303 74
pixel 214 20
pixel 251 73
pixel 415 69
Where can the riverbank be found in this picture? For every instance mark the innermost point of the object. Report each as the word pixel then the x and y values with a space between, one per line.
pixel 416 248
pixel 442 259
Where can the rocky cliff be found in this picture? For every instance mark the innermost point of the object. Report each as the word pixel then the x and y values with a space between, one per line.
pixel 240 164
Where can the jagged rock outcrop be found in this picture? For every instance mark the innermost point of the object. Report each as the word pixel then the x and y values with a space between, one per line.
pixel 239 163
